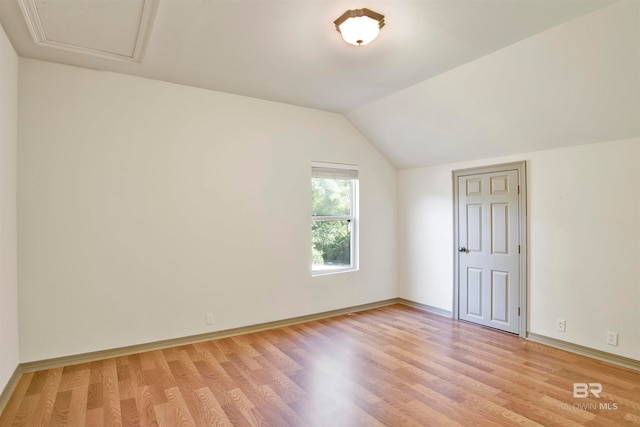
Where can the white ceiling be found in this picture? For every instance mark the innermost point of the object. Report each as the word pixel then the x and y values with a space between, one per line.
pixel 401 91
pixel 574 84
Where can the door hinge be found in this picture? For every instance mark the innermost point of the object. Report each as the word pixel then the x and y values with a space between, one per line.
pixel 518 248
pixel 518 311
pixel 518 189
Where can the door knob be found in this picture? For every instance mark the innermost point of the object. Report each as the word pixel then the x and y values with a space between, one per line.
pixel 462 249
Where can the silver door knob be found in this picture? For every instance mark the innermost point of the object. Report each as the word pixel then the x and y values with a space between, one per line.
pixel 462 249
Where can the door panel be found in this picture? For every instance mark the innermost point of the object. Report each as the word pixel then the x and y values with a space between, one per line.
pixel 499 228
pixel 488 261
pixel 474 286
pixel 474 227
pixel 500 296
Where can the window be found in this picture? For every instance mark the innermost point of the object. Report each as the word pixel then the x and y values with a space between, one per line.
pixel 334 195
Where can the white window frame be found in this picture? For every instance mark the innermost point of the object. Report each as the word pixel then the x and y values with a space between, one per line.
pixel 328 170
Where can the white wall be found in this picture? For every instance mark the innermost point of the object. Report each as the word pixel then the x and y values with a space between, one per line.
pixel 144 205
pixel 8 263
pixel 584 234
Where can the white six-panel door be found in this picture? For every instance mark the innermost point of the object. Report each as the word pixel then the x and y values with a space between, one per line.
pixel 488 249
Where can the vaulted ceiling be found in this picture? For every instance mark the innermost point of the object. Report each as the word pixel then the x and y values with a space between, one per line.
pixel 447 80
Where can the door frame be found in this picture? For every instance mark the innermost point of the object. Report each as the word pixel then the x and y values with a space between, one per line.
pixel 523 227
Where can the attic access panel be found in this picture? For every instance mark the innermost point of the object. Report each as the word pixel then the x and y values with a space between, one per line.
pixel 106 28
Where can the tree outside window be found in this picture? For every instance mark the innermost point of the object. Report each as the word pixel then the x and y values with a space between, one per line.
pixel 333 221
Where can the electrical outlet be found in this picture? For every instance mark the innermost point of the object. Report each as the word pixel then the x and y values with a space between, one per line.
pixel 612 338
pixel 209 318
pixel 561 325
pixel 421 293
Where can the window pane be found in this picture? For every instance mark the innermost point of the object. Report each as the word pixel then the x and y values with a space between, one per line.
pixel 330 197
pixel 330 244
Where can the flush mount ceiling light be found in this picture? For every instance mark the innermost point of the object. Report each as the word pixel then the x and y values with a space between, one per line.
pixel 359 26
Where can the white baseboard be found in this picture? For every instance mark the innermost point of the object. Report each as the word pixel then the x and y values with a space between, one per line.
pixel 39 365
pixel 586 351
pixel 427 308
pixel 158 345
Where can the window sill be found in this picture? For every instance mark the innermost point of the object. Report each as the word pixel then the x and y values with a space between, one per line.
pixel 327 270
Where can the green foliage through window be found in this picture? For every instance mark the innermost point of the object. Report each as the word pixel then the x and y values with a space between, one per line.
pixel 332 222
pixel 331 243
pixel 330 197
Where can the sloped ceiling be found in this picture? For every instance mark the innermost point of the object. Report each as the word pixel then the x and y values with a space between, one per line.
pixel 447 80
pixel 577 83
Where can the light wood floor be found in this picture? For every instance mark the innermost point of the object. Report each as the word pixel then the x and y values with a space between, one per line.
pixel 391 366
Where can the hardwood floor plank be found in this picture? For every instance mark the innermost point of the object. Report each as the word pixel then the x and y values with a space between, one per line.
pixel 48 393
pixel 454 411
pixel 214 375
pixel 162 373
pixel 286 388
pixel 25 413
pixel 156 388
pixel 95 391
pixel 146 407
pixel 95 417
pixel 181 415
pixel 130 413
pixel 212 413
pixel 389 366
pixel 37 382
pixel 147 361
pixel 79 397
pixel 111 394
pixel 60 411
pixel 125 380
pixel 247 408
pixel 430 416
pixel 11 410
pixel 189 387
pixel 275 356
pixel 633 418
pixel 233 412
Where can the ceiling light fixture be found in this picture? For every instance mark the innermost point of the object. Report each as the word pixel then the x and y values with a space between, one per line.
pixel 359 26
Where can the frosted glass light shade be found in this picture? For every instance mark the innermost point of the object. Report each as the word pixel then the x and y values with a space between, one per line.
pixel 359 31
pixel 360 26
